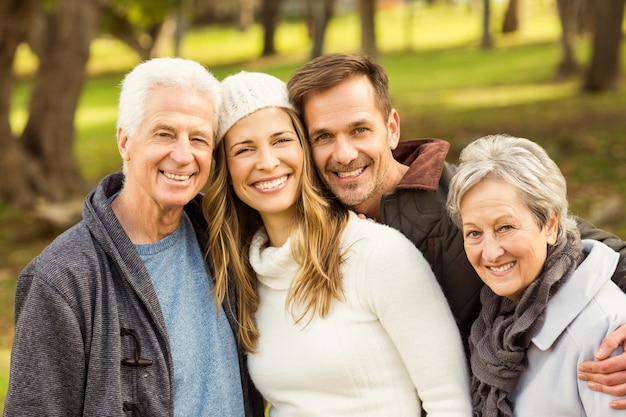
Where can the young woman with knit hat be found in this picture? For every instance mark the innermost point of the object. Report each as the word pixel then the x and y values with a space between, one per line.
pixel 340 316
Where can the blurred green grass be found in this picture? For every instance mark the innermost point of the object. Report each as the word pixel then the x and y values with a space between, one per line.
pixel 442 84
pixel 5 355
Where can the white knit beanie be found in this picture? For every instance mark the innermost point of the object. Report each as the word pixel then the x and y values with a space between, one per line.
pixel 246 92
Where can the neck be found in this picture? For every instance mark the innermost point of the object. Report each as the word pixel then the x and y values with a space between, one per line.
pixel 144 223
pixel 278 227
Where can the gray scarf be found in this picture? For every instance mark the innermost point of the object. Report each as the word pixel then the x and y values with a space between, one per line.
pixel 504 329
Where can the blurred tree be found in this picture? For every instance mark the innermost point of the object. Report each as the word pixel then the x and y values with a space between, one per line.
pixel 146 25
pixel 183 16
pixel 60 33
pixel 603 72
pixel 367 9
pixel 486 42
pixel 270 12
pixel 245 17
pixel 512 16
pixel 15 17
pixel 569 18
pixel 319 14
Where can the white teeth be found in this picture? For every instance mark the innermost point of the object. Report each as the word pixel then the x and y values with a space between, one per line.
pixel 350 174
pixel 503 267
pixel 271 184
pixel 176 177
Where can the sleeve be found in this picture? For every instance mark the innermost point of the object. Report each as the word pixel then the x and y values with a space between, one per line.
pixel 588 337
pixel 589 231
pixel 47 372
pixel 414 312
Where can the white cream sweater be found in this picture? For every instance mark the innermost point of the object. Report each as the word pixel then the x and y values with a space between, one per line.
pixel 390 347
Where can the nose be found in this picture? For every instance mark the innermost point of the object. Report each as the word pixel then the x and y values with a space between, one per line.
pixel 182 151
pixel 492 249
pixel 344 151
pixel 267 158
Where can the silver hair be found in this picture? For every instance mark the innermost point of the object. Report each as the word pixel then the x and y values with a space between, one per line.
pixel 175 73
pixel 521 163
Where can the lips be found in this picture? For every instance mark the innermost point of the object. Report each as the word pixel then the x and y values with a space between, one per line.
pixel 268 185
pixel 502 268
pixel 350 174
pixel 176 177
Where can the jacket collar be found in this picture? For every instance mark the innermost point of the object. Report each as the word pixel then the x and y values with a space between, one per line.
pixel 425 158
pixel 584 284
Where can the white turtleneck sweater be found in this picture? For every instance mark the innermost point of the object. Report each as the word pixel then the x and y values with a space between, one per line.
pixel 390 344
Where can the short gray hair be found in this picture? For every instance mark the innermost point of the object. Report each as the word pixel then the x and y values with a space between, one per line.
pixel 175 73
pixel 521 163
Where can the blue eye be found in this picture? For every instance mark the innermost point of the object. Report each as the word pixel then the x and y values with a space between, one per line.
pixel 322 137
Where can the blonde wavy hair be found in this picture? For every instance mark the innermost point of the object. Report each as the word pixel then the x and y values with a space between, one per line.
pixel 315 243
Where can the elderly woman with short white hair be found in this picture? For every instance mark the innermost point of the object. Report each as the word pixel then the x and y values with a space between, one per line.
pixel 548 300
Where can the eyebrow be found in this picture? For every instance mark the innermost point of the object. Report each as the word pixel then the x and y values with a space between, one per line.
pixel 283 132
pixel 240 143
pixel 203 133
pixel 273 135
pixel 505 218
pixel 165 126
pixel 351 125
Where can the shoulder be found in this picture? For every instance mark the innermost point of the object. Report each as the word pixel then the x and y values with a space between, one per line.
pixel 72 255
pixel 588 314
pixel 372 232
pixel 377 243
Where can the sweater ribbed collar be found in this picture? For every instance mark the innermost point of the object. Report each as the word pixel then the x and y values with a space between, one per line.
pixel 274 266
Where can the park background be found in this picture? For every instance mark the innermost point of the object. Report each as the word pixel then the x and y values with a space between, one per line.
pixel 444 81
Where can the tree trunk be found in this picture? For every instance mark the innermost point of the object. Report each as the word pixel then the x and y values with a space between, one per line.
pixel 246 14
pixel 171 30
pixel 269 19
pixel 603 73
pixel 486 41
pixel 511 21
pixel 121 29
pixel 569 12
pixel 49 133
pixel 368 28
pixel 15 19
pixel 320 12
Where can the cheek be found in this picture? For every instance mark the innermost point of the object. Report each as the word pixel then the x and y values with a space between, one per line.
pixel 473 253
pixel 538 257
pixel 206 160
pixel 319 159
pixel 300 160
pixel 235 170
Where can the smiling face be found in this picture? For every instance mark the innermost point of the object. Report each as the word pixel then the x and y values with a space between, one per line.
pixel 502 239
pixel 265 160
pixel 169 159
pixel 351 141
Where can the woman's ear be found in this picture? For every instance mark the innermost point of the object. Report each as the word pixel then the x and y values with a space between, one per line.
pixel 552 229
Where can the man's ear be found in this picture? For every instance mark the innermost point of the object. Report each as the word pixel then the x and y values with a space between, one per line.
pixel 122 144
pixel 393 127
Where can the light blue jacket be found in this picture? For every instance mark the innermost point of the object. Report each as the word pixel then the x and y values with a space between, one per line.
pixel 587 308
